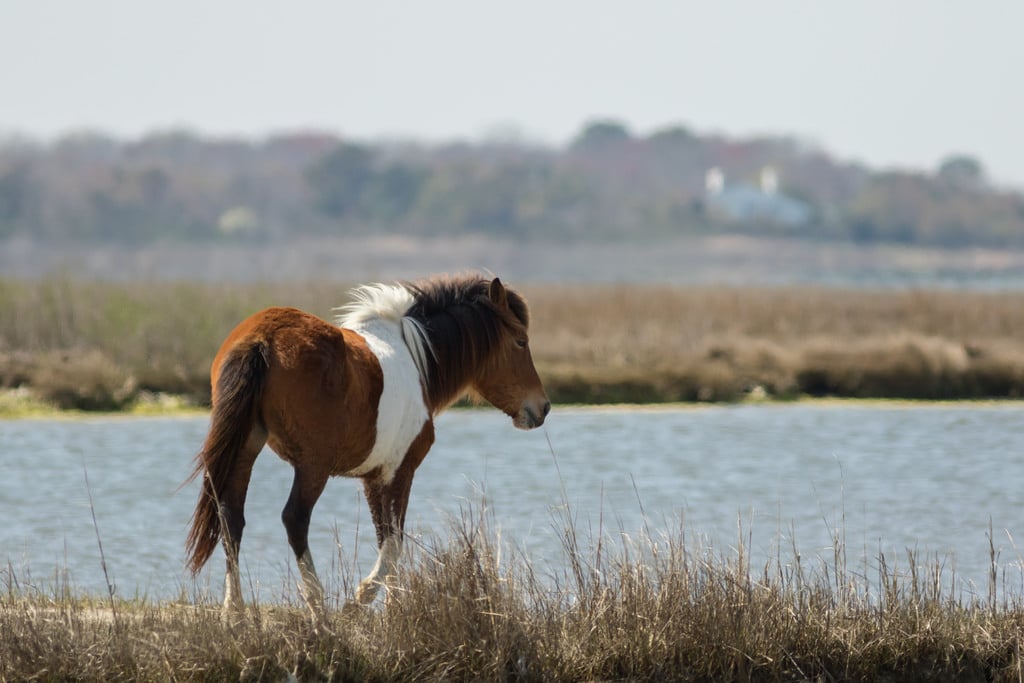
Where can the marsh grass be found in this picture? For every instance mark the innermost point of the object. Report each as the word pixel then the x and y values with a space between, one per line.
pixel 643 344
pixel 469 606
pixel 96 345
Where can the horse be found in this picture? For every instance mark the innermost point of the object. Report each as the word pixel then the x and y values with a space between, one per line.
pixel 356 399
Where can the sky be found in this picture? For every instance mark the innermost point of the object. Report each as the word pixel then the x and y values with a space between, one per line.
pixel 893 83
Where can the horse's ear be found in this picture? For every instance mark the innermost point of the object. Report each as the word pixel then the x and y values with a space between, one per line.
pixel 497 294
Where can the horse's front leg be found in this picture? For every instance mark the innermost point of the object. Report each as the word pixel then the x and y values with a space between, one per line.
pixel 388 502
pixel 388 499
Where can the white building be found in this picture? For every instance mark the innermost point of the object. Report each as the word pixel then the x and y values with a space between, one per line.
pixel 748 203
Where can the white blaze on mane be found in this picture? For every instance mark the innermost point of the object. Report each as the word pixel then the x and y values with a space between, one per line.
pixel 388 302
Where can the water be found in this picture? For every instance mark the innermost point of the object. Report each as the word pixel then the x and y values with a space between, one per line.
pixel 882 478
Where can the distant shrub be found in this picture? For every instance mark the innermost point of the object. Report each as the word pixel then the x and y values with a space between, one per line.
pixel 905 366
pixel 86 380
pixel 16 369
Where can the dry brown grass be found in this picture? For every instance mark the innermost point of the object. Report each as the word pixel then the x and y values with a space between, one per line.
pixel 60 335
pixel 631 343
pixel 468 608
pixel 592 343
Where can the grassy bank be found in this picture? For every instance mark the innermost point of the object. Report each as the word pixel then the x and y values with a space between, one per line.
pixel 467 608
pixel 103 346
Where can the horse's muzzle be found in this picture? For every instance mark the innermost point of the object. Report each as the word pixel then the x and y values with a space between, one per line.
pixel 530 417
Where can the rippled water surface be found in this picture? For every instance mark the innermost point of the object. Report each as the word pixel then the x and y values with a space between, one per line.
pixel 930 478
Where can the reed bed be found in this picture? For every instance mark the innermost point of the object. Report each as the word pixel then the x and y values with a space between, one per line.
pixel 469 607
pixel 107 346
pixel 637 344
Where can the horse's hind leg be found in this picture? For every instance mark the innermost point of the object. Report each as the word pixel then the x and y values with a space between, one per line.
pixel 306 489
pixel 232 508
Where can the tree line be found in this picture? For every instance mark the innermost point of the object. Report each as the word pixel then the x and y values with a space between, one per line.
pixel 608 183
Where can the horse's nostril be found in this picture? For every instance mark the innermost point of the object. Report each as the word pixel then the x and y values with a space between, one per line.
pixel 547 408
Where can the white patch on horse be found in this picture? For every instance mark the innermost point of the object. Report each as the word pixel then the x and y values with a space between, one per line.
pixel 378 316
pixel 388 302
pixel 312 589
pixel 233 589
pixel 386 565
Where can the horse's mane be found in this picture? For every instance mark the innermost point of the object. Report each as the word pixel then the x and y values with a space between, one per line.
pixel 449 323
pixel 388 302
pixel 463 327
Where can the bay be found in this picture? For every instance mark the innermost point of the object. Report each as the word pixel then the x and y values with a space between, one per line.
pixel 876 479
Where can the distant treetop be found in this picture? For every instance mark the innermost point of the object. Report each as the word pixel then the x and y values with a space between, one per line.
pixel 606 184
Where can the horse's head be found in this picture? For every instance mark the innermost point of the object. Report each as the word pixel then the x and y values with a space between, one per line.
pixel 509 381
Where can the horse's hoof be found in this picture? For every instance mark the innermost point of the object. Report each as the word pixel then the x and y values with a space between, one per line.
pixel 232 618
pixel 367 593
pixel 352 608
pixel 316 607
pixel 262 668
pixel 318 625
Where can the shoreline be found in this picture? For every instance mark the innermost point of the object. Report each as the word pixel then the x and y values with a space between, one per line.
pixel 16 404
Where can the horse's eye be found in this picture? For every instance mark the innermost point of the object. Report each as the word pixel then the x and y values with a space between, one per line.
pixel 521 343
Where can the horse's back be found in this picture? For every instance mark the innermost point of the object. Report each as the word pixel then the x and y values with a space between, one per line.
pixel 321 389
pixel 293 338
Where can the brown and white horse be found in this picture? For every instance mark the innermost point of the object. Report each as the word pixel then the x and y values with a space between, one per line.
pixel 355 400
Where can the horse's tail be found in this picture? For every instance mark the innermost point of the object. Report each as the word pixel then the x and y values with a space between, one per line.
pixel 234 415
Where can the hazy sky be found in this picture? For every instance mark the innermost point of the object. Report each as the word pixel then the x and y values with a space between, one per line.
pixel 893 82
